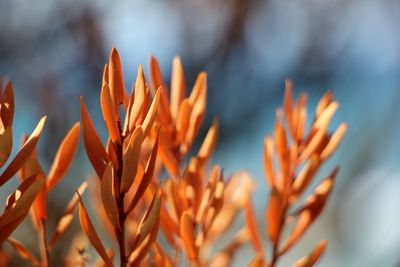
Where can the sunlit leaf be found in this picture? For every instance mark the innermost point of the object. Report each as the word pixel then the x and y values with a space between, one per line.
pixel 23 252
pixel 187 234
pixel 23 154
pixel 65 221
pixel 109 115
pixel 311 259
pixel 131 159
pixel 94 148
pixel 64 157
pixel 108 195
pixel 116 79
pixel 90 232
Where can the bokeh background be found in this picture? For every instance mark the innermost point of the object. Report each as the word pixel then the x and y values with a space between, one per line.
pixel 54 51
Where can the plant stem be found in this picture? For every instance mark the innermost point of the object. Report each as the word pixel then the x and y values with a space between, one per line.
pixel 44 250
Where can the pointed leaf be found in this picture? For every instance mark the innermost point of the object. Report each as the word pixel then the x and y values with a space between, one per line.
pixel 64 157
pixel 131 159
pixel 188 235
pixel 274 215
pixel 108 195
pixel 146 179
pixel 116 79
pixel 90 232
pixel 313 257
pixel 24 153
pixel 6 142
pixel 151 114
pixel 7 106
pixel 209 143
pixel 334 142
pixel 252 227
pixel 94 148
pixel 23 252
pixel 65 221
pixel 178 86
pixel 110 118
pixel 23 199
pixel 311 210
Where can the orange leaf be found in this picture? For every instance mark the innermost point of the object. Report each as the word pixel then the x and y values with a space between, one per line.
pixel 131 159
pixel 23 154
pixel 18 205
pixel 313 257
pixel 311 209
pixel 151 114
pixel 90 232
pixel 116 79
pixel 268 161
pixel 136 101
pixel 274 215
pixel 305 176
pixel 6 142
pixel 146 179
pixel 252 227
pixel 94 148
pixel 209 143
pixel 65 221
pixel 187 235
pixel 334 142
pixel 178 86
pixel 157 83
pixel 7 106
pixel 110 117
pixel 108 195
pixel 150 219
pixel 64 157
pixel 198 99
pixel 182 121
pixel 323 103
pixel 23 252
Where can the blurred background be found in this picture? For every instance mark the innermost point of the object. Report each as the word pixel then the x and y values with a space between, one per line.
pixel 54 51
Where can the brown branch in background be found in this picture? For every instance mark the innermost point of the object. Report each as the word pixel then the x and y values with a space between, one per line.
pixel 292 157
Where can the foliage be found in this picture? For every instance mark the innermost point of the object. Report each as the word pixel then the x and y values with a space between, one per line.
pixel 151 131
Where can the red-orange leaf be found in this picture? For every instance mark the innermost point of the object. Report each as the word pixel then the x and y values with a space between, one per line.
pixel 188 235
pixel 6 141
pixel 65 221
pixel 274 215
pixel 24 153
pixel 64 157
pixel 313 257
pixel 311 210
pixel 94 148
pixel 7 106
pixel 131 159
pixel 109 115
pixel 90 232
pixel 116 79
pixel 146 179
pixel 108 195
pixel 178 86
pixel 23 252
pixel 252 227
